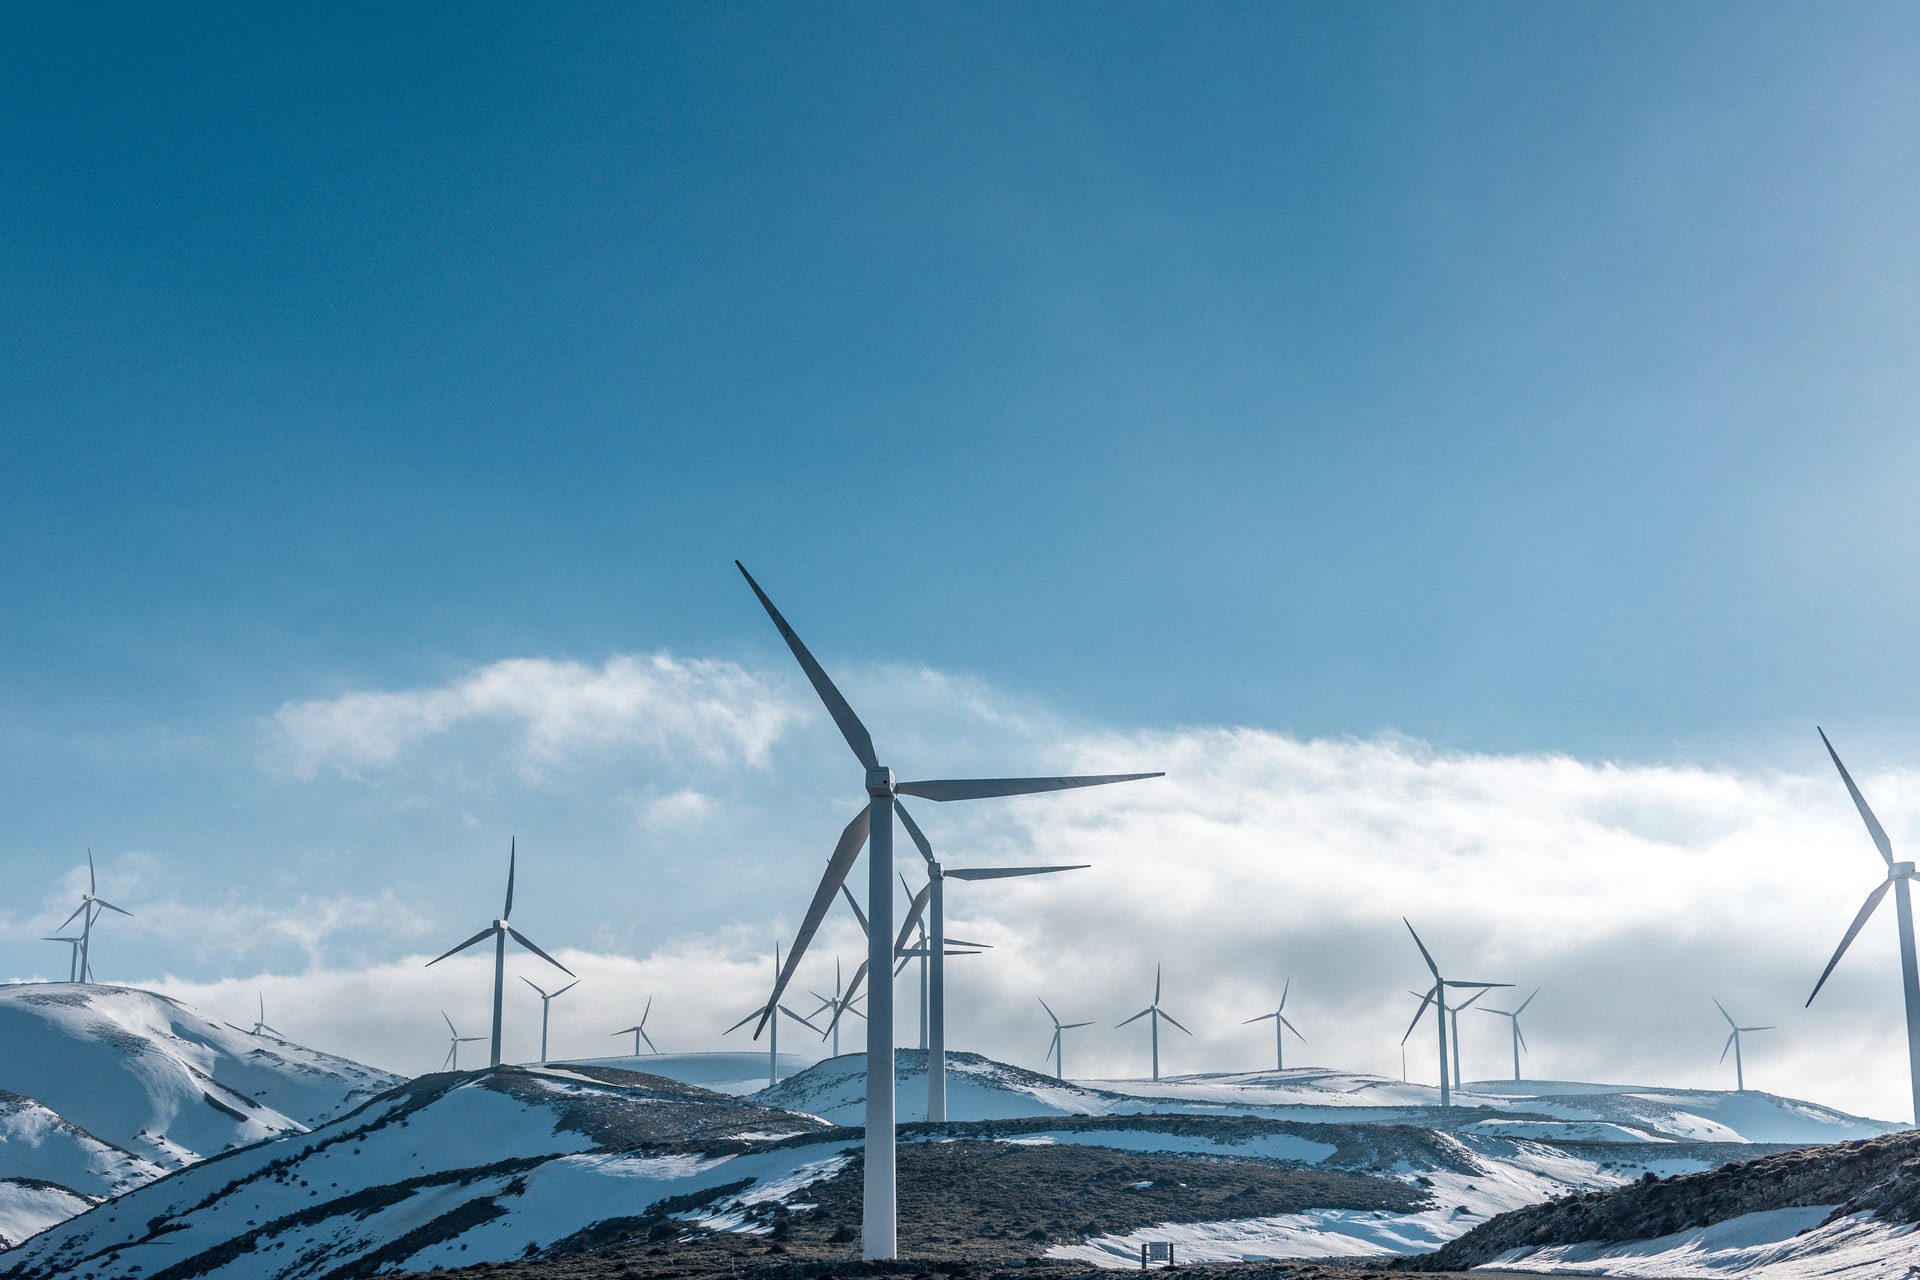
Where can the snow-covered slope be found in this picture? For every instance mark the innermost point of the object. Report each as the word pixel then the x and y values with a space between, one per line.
pixel 38 1145
pixel 449 1169
pixel 148 1075
pixel 981 1089
pixel 736 1073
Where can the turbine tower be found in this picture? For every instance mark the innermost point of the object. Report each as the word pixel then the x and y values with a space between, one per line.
pixel 1056 1049
pixel 935 1042
pixel 455 1040
pixel 1899 876
pixel 499 931
pixel 260 1023
pixel 546 999
pixel 1157 1013
pixel 1733 1043
pixel 1453 1025
pixel 878 1221
pixel 764 1013
pixel 1437 996
pixel 1280 1026
pixel 91 905
pixel 1519 1040
pixel 639 1030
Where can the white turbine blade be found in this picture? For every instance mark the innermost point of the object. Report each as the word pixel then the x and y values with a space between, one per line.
pixel 471 1039
pixel 858 914
pixel 1502 1012
pixel 447 1062
pixel 562 991
pixel 1853 931
pixel 1289 1026
pixel 449 1021
pixel 1156 984
pixel 478 937
pixel 913 915
pixel 1523 1037
pixel 1874 829
pixel 102 902
pixel 1723 1012
pixel 85 903
pixel 850 727
pixel 1728 1047
pixel 1283 995
pixel 1744 1030
pixel 1068 1026
pixel 730 1030
pixel 644 1036
pixel 976 946
pixel 853 838
pixel 1420 1013
pixel 945 789
pixel 914 833
pixel 644 1013
pixel 1135 1018
pixel 1483 985
pixel 1175 1021
pixel 797 1018
pixel 513 856
pixel 93 886
pixel 1468 1002
pixel 536 986
pixel 1050 1013
pixel 1002 873
pixel 1262 1018
pixel 1424 953
pixel 1524 1003
pixel 527 942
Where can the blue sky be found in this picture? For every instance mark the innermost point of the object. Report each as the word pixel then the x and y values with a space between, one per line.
pixel 1521 380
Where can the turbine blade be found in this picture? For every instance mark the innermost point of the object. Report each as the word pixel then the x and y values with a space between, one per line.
pixel 846 851
pixel 1001 873
pixel 1523 1037
pixel 644 1036
pixel 527 942
pixel 69 920
pixel 1424 953
pixel 913 915
pixel 513 856
pixel 1175 1021
pixel 1156 984
pixel 1289 1026
pixel 945 789
pixel 646 1011
pixel 1419 1013
pixel 93 886
pixel 730 1030
pixel 850 727
pixel 858 914
pixel 570 986
pixel 1728 1047
pixel 914 833
pixel 447 1061
pixel 1135 1018
pixel 1853 931
pixel 1744 1030
pixel 102 902
pixel 478 937
pixel 797 1018
pixel 1050 1013
pixel 1874 829
pixel 1068 1026
pixel 1723 1011
pixel 1468 1002
pixel 1524 1003
pixel 449 1021
pixel 1262 1018
pixel 536 986
pixel 1283 995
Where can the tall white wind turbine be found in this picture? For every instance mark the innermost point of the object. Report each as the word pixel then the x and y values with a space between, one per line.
pixel 639 1030
pixel 768 1012
pixel 934 992
pixel 1733 1043
pixel 1156 1013
pixel 1899 877
pixel 499 931
pixel 91 905
pixel 1513 1017
pixel 1280 1027
pixel 454 1041
pixel 546 999
pixel 1056 1048
pixel 1437 996
pixel 879 1237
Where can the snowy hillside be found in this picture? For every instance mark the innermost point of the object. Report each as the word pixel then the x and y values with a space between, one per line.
pixel 980 1089
pixel 723 1072
pixel 451 1168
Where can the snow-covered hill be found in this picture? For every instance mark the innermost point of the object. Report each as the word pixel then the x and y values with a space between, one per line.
pixel 723 1072
pixel 449 1169
pixel 980 1089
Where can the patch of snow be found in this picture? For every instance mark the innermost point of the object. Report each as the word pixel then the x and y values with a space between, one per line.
pixel 1777 1244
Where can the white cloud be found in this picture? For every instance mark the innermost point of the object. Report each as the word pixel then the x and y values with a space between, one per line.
pixel 555 712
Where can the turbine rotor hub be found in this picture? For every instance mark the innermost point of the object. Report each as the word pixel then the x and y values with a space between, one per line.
pixel 500 924
pixel 880 781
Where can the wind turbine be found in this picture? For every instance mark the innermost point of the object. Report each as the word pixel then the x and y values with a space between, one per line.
pixel 1733 1043
pixel 1899 876
pixel 546 999
pixel 89 910
pixel 765 1012
pixel 1519 1040
pixel 499 931
pixel 838 1002
pixel 260 1023
pixel 936 1042
pixel 455 1040
pixel 1056 1048
pixel 1437 996
pixel 73 954
pixel 922 950
pixel 1280 1025
pixel 1453 1023
pixel 878 1222
pixel 639 1030
pixel 1157 1013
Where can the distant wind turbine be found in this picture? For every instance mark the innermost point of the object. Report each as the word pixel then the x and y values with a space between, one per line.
pixel 639 1030
pixel 1899 877
pixel 1056 1049
pixel 773 1041
pixel 879 1237
pixel 455 1040
pixel 837 1002
pixel 1733 1043
pixel 1437 996
pixel 91 905
pixel 1156 1013
pixel 1513 1017
pixel 73 954
pixel 499 931
pixel 260 1023
pixel 546 999
pixel 1280 1026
